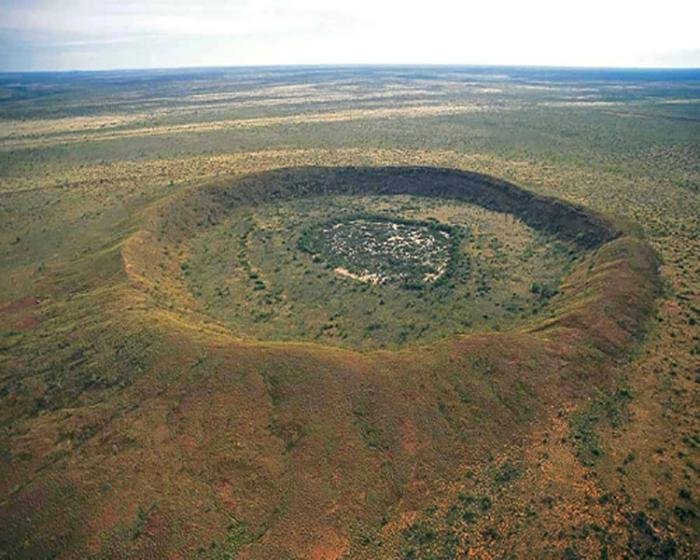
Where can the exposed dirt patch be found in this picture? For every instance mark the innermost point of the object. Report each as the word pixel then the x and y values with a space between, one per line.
pixel 19 305
pixel 333 547
pixel 26 323
pixel 19 313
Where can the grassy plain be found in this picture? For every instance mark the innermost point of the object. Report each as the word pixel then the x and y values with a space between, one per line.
pixel 133 429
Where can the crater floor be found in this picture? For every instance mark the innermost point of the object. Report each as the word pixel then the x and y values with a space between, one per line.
pixel 373 271
pixel 378 249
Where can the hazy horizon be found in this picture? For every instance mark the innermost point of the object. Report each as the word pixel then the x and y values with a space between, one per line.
pixel 378 65
pixel 41 35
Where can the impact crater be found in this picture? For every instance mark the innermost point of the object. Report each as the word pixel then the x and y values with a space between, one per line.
pixel 372 257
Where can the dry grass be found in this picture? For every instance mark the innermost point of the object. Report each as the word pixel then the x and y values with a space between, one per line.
pixel 79 134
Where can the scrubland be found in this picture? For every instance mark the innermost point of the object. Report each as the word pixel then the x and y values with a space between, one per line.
pixel 140 420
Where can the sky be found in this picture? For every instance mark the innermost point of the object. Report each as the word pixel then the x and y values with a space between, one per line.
pixel 116 34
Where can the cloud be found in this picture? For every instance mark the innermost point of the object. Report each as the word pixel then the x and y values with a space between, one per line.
pixel 179 32
pixel 172 18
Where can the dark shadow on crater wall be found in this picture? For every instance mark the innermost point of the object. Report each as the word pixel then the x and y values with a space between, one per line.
pixel 584 228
